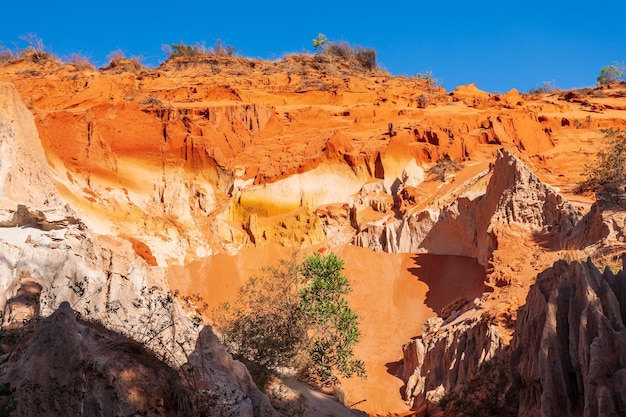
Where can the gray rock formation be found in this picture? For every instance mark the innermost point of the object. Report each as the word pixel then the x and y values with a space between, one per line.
pixel 447 355
pixel 226 379
pixel 569 350
pixel 603 227
pixel 63 366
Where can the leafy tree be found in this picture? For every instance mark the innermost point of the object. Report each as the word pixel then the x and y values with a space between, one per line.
pixel 611 73
pixel 295 315
pixel 318 43
pixel 609 165
pixel 333 324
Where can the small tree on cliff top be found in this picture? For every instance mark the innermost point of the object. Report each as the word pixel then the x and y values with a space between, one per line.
pixel 611 73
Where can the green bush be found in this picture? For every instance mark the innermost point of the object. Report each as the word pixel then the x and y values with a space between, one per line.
pixel 610 163
pixel 332 325
pixel 266 326
pixel 318 43
pixel 611 73
pixel 295 315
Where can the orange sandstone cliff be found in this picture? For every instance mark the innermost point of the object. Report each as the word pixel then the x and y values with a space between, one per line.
pixel 194 175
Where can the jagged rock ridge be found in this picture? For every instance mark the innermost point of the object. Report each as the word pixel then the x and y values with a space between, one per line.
pixel 568 355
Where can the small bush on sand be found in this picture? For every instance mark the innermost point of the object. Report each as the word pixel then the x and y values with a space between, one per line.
pixel 177 50
pixel 546 87
pixel 80 61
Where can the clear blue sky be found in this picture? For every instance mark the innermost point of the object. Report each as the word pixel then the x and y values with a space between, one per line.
pixel 498 45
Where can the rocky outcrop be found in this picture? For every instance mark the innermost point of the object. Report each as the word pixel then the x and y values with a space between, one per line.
pixel 447 355
pixel 603 227
pixel 66 366
pixel 63 366
pixel 568 352
pixel 46 251
pixel 226 379
pixel 468 226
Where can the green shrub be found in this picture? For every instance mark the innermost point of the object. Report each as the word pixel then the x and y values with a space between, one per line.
pixel 318 43
pixel 295 315
pixel 266 326
pixel 611 73
pixel 332 325
pixel 610 163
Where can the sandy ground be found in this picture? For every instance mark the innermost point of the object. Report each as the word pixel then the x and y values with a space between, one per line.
pixel 393 294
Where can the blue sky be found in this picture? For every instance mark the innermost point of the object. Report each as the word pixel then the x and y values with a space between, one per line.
pixel 497 45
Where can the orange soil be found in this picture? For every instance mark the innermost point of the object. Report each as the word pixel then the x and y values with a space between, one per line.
pixel 120 143
pixel 393 294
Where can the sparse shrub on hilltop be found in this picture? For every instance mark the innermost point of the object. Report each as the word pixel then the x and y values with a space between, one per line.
pixel 545 87
pixel 34 51
pixel 364 58
pixel 611 73
pixel 177 50
pixel 80 61
pixel 6 55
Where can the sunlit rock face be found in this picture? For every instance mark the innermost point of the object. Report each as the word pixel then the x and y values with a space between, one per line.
pixel 197 174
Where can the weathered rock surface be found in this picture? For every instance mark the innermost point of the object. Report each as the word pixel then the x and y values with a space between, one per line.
pixel 469 226
pixel 569 349
pixel 213 155
pixel 66 366
pixel 63 366
pixel 603 227
pixel 227 379
pixel 447 355
pixel 49 257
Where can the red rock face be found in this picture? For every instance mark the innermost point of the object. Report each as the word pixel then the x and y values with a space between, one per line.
pixel 207 166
